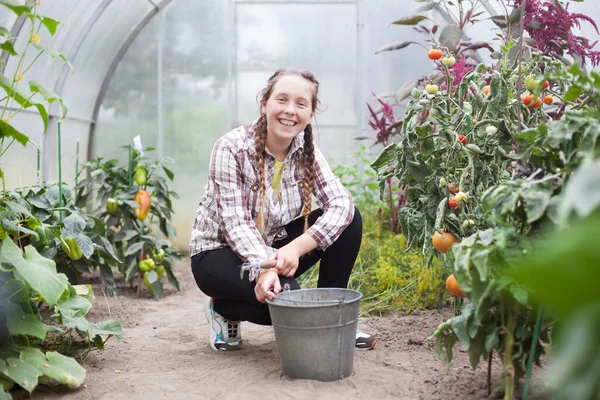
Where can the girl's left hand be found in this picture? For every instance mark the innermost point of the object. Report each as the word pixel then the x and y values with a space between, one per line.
pixel 287 260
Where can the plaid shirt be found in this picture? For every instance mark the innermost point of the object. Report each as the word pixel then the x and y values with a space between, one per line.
pixel 226 215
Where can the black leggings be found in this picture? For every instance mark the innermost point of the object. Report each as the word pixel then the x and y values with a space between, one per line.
pixel 217 272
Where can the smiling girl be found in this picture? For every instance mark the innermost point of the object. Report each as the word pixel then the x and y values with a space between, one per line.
pixel 257 206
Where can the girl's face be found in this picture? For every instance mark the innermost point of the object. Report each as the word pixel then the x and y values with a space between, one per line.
pixel 289 108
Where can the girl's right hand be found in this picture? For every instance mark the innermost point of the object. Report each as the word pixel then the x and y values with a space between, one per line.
pixel 267 286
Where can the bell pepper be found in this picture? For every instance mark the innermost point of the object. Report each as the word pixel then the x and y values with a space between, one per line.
pixel 143 199
pixel 146 265
pixel 160 256
pixel 160 271
pixel 147 283
pixel 112 206
pixel 70 246
pixel 140 175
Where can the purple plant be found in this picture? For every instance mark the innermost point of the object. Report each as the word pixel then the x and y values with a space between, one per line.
pixel 550 24
pixel 380 123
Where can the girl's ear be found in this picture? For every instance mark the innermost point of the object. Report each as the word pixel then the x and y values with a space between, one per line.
pixel 262 108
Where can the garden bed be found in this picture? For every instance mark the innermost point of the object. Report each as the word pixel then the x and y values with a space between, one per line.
pixel 165 355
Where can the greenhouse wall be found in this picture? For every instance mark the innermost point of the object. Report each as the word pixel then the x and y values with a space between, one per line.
pixel 182 73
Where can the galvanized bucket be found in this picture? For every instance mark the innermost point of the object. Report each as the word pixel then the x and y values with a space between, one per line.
pixel 315 331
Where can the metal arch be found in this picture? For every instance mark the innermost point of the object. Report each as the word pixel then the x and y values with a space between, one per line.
pixel 113 66
pixel 60 83
pixel 14 33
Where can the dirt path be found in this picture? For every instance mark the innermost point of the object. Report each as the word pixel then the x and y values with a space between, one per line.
pixel 165 356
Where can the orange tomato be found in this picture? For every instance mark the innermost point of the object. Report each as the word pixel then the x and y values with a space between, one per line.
pixel 452 286
pixel 527 99
pixel 443 241
pixel 546 84
pixel 453 187
pixel 548 99
pixel 434 54
pixel 538 102
pixel 486 90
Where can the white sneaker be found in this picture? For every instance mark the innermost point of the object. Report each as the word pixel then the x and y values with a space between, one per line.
pixel 224 334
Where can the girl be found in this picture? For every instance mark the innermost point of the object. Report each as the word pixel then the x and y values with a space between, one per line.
pixel 257 206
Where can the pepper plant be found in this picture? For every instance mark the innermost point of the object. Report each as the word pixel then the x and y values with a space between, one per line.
pixel 133 199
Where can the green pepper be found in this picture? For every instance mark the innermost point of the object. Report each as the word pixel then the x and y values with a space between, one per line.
pixel 146 265
pixel 140 174
pixel 160 271
pixel 160 256
pixel 147 283
pixel 70 246
pixel 112 205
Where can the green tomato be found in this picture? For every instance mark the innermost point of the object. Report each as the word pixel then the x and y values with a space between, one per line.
pixel 530 83
pixel 443 182
pixel 491 130
pixel 449 61
pixel 432 89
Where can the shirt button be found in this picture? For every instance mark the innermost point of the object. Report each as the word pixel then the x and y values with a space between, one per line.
pixel 301 184
pixel 254 187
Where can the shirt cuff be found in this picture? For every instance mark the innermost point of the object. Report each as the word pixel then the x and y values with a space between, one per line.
pixel 323 241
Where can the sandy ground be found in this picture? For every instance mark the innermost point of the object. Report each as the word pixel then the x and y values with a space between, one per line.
pixel 165 356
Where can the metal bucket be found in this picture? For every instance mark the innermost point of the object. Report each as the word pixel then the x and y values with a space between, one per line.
pixel 315 331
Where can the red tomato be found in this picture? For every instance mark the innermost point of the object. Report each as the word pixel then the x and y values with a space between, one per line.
pixel 434 54
pixel 452 202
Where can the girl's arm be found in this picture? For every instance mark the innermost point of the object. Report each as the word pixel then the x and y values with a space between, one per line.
pixel 235 218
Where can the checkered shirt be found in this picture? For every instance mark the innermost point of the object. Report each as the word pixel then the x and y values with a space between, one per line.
pixel 226 215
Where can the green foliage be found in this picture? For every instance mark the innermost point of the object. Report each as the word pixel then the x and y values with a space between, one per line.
pixel 513 165
pixel 389 277
pixel 36 95
pixel 32 215
pixel 40 312
pixel 392 278
pixel 134 239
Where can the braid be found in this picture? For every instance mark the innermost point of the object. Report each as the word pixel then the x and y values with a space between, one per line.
pixel 309 172
pixel 260 139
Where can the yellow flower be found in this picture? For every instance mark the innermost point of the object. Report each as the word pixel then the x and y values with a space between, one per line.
pixel 35 38
pixel 19 78
pixel 6 119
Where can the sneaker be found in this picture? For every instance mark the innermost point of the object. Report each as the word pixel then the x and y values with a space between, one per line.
pixel 364 341
pixel 224 334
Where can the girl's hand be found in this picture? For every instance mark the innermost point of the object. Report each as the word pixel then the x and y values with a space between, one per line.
pixel 267 286
pixel 287 260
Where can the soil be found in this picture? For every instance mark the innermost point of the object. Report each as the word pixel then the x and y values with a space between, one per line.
pixel 165 356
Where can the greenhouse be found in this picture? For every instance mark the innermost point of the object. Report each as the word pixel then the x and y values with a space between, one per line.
pixel 147 147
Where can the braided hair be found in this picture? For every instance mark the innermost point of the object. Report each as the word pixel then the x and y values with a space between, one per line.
pixel 308 157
